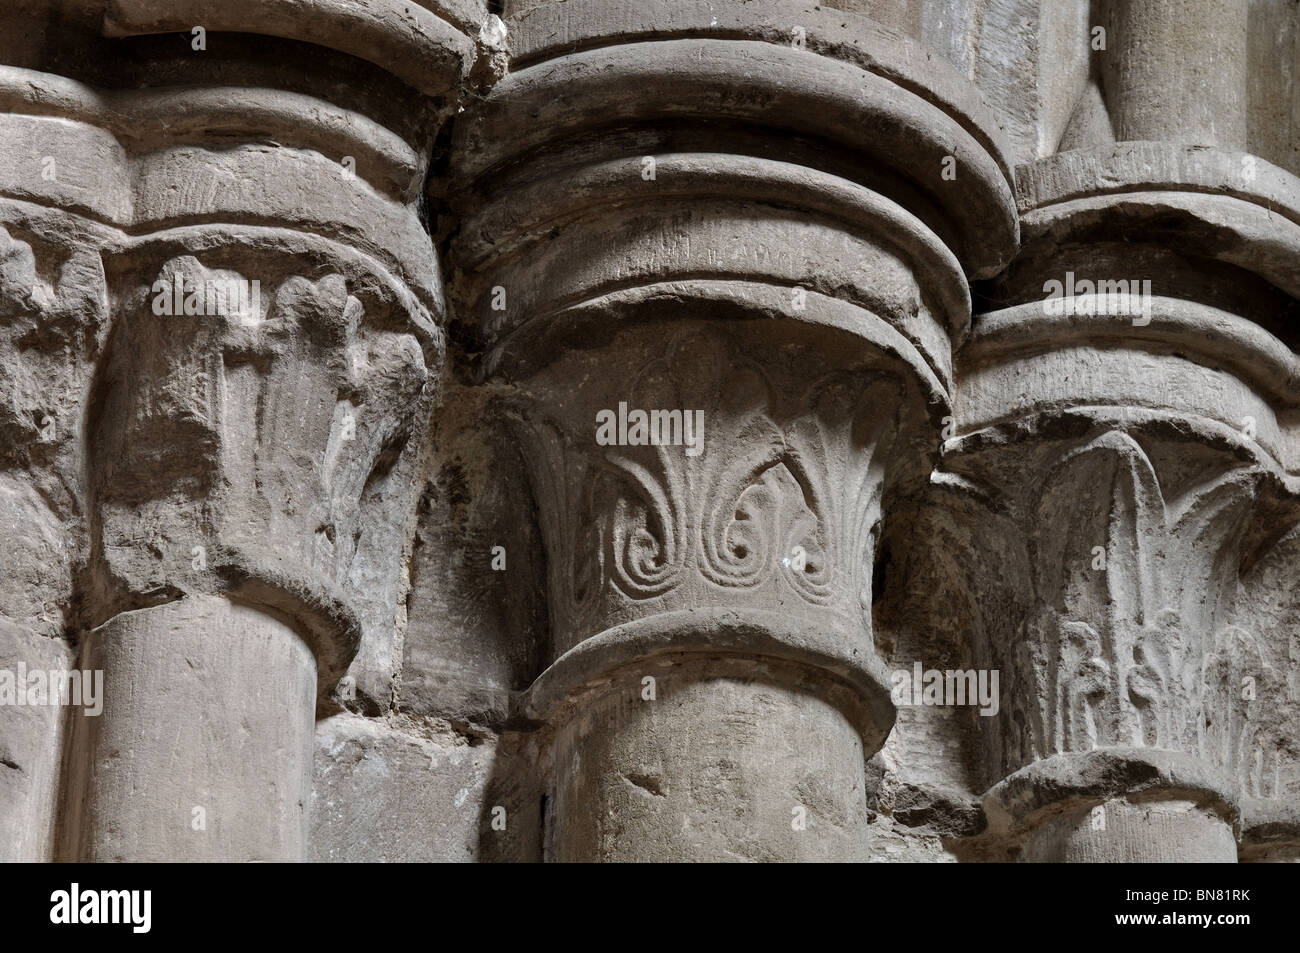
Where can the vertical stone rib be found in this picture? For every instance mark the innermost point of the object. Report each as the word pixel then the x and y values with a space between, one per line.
pixel 1176 71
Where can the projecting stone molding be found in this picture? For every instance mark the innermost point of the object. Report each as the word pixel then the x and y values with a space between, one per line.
pixel 552 430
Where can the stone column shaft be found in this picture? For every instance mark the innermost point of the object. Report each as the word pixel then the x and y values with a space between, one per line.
pixel 710 604
pixel 223 690
pixel 237 348
pixel 1176 71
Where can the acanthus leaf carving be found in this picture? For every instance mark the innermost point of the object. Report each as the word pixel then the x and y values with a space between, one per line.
pixel 1129 646
pixel 783 501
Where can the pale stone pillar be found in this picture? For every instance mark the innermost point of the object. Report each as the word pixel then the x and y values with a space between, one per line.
pixel 239 444
pixel 1135 437
pixel 717 594
pixel 203 750
pixel 739 761
pixel 713 688
pixel 52 315
pixel 261 351
pixel 1176 71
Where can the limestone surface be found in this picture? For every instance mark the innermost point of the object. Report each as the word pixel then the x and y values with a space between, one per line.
pixel 650 430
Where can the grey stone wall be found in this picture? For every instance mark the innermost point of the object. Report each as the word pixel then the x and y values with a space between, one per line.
pixel 551 430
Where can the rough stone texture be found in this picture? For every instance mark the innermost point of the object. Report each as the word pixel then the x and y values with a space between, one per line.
pixel 695 776
pixel 310 314
pixel 394 791
pixel 29 752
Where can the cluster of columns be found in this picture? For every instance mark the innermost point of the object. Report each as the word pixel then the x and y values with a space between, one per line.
pixel 242 337
pixel 1139 456
pixel 747 235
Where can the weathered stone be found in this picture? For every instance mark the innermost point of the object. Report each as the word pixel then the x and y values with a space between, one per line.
pixel 31 741
pixel 236 715
pixel 403 793
pixel 864 430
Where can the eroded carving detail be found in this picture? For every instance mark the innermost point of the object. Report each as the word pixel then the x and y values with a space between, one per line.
pixel 242 443
pixel 1130 646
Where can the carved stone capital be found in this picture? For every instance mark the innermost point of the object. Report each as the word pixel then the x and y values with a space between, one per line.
pixel 1128 416
pixel 246 406
pixel 712 489
pixel 640 235
pixel 265 346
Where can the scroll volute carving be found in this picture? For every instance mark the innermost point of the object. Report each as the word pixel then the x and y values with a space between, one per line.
pixel 1130 641
pixel 780 500
pixel 248 419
